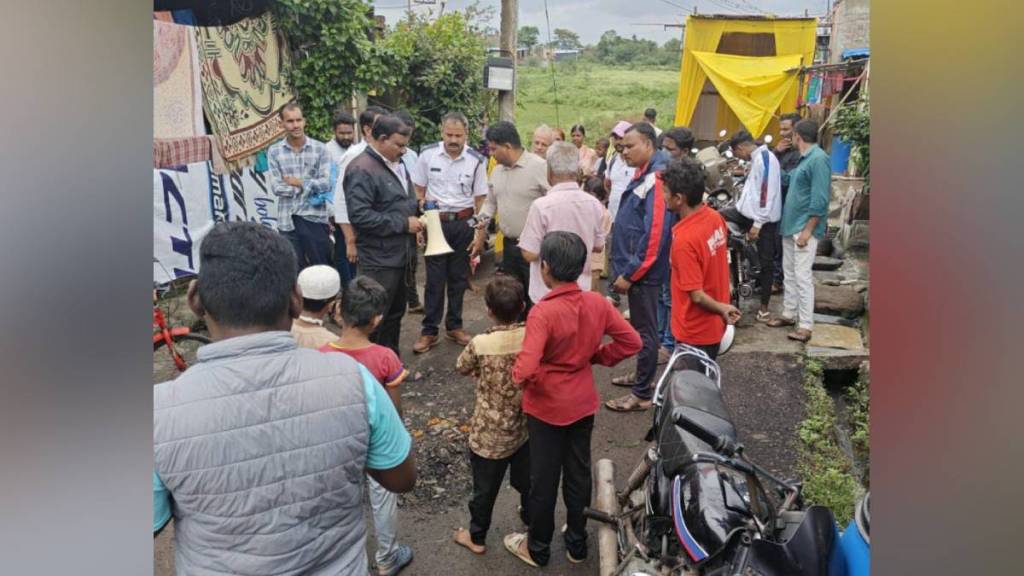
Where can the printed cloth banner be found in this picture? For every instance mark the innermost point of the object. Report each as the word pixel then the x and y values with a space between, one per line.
pixel 189 200
pixel 177 95
pixel 243 68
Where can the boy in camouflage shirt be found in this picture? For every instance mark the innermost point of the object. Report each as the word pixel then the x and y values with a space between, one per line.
pixel 497 437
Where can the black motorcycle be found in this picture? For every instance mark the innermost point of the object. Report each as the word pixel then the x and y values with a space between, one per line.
pixel 696 505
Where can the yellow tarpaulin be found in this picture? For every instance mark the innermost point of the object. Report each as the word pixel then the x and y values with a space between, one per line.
pixel 752 86
pixel 792 36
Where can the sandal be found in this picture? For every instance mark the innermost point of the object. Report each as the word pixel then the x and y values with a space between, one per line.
pixel 801 335
pixel 763 316
pixel 628 403
pixel 513 543
pixel 781 321
pixel 626 380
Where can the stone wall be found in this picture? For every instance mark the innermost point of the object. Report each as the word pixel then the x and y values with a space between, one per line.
pixel 851 26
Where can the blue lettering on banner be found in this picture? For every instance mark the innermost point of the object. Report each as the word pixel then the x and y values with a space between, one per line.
pixel 238 192
pixel 218 198
pixel 170 189
pixel 263 206
pixel 181 246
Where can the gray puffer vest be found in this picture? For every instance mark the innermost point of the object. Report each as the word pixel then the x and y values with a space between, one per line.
pixel 263 447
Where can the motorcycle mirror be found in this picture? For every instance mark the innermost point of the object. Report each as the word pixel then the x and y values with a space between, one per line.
pixel 768 139
pixel 722 134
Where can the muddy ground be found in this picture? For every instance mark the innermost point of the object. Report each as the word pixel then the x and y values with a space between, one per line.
pixel 761 379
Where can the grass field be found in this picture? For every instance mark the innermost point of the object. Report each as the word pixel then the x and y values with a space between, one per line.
pixel 593 95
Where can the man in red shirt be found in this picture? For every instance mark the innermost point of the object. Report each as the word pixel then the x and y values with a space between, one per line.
pixel 699 261
pixel 563 338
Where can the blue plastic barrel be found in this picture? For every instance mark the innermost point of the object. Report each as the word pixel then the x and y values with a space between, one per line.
pixel 855 542
pixel 840 155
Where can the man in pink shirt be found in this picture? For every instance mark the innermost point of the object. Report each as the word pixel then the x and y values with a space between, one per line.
pixel 565 208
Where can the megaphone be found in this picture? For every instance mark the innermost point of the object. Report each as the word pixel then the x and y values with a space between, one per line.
pixel 436 244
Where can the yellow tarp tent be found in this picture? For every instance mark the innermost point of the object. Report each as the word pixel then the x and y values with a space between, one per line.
pixel 794 36
pixel 752 86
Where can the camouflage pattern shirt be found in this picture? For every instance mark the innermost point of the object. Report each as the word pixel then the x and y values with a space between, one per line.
pixel 498 426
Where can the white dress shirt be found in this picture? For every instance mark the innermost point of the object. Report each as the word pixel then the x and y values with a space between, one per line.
pixel 452 183
pixel 767 207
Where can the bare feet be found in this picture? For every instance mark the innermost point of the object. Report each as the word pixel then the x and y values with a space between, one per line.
pixel 463 538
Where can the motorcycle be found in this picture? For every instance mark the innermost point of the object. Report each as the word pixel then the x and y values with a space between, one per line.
pixel 723 189
pixel 696 505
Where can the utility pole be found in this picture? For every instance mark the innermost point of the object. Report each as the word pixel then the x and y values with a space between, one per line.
pixel 507 45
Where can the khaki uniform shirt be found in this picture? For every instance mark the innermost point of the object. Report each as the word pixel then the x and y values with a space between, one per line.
pixel 513 190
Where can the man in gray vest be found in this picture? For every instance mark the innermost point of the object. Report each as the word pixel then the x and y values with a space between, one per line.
pixel 260 448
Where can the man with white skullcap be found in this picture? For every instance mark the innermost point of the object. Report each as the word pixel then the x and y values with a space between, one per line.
pixel 320 285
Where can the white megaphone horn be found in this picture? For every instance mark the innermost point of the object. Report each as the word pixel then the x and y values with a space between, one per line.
pixel 436 244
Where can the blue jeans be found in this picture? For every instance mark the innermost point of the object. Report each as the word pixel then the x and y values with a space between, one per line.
pixel 665 337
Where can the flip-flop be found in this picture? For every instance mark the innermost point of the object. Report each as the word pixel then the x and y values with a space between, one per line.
pixel 626 380
pixel 779 322
pixel 512 543
pixel 628 403
pixel 799 336
pixel 763 316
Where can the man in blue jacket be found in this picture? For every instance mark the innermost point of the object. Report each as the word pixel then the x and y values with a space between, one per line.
pixel 641 239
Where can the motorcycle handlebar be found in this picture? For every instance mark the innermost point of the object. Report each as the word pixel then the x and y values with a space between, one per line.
pixel 720 444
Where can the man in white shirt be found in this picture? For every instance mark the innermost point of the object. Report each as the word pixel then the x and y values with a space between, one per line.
pixel 616 178
pixel 366 120
pixel 453 176
pixel 651 116
pixel 759 208
pixel 344 135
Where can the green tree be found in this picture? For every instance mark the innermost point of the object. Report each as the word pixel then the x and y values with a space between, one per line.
pixel 332 54
pixel 565 38
pixel 436 67
pixel 529 36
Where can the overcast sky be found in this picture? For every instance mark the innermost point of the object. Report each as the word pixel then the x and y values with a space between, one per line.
pixel 591 18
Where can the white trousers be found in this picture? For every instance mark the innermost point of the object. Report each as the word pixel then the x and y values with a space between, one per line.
pixel 384 505
pixel 798 287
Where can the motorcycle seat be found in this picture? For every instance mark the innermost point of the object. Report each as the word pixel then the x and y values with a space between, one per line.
pixel 699 398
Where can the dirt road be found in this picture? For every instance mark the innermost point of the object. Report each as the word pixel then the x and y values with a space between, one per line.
pixel 761 379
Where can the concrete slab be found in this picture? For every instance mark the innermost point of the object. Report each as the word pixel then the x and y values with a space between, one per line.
pixel 836 359
pixel 834 336
pixel 838 300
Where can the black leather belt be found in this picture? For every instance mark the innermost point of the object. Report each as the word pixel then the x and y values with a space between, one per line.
pixel 460 215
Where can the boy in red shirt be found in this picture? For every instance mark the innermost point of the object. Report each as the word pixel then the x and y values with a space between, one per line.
pixel 362 309
pixel 699 261
pixel 563 338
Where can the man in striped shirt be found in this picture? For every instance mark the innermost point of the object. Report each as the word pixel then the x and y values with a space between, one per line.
pixel 300 176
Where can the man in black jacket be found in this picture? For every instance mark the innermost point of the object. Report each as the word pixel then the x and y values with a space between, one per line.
pixel 382 208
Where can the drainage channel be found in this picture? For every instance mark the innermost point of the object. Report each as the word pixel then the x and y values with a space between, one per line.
pixel 836 383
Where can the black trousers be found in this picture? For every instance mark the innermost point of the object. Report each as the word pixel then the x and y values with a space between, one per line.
pixel 513 264
pixel 643 315
pixel 447 273
pixel 767 240
pixel 390 329
pixel 411 292
pixel 559 451
pixel 487 478
pixel 310 241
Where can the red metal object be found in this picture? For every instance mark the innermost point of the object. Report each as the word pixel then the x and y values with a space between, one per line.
pixel 165 333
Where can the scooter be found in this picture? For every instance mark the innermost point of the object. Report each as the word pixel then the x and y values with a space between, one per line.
pixel 696 505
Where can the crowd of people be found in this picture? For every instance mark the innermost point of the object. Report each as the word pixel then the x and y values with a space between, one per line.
pixel 262 447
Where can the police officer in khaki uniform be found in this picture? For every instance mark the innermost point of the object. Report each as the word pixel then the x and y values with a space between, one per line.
pixel 454 176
